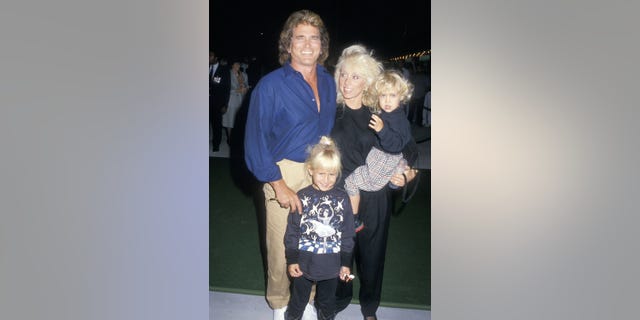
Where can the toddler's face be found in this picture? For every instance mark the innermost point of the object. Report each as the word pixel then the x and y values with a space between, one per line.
pixel 323 179
pixel 389 100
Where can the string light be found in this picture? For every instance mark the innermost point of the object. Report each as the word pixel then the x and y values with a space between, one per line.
pixel 416 54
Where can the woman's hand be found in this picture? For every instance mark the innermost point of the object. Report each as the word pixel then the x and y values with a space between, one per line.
pixel 398 179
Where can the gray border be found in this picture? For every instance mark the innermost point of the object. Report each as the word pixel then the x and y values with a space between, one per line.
pixel 104 168
pixel 534 156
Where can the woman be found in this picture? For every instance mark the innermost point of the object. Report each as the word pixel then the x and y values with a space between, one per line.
pixel 239 86
pixel 355 72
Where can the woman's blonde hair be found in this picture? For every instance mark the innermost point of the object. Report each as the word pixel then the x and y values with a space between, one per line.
pixel 324 155
pixel 286 35
pixel 392 81
pixel 357 58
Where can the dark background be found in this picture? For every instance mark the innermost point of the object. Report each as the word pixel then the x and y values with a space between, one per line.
pixel 391 28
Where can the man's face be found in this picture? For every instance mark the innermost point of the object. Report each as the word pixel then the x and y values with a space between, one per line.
pixel 212 58
pixel 305 45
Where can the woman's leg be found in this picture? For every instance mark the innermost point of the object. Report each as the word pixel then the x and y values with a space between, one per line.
pixel 372 240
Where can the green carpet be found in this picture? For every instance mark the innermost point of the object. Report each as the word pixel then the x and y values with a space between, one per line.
pixel 235 260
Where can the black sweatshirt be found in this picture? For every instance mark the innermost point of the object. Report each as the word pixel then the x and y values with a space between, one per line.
pixel 321 239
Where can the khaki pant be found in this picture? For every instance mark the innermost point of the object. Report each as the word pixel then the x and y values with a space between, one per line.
pixel 296 177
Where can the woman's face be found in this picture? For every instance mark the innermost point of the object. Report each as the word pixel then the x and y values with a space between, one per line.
pixel 351 84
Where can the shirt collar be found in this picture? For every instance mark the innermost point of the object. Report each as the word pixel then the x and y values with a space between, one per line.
pixel 289 70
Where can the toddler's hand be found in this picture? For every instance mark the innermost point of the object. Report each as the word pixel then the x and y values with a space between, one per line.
pixel 376 123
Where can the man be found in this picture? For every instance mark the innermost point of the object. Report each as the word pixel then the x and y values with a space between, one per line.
pixel 289 110
pixel 219 90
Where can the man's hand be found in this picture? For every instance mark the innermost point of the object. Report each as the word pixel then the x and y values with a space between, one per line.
pixel 286 197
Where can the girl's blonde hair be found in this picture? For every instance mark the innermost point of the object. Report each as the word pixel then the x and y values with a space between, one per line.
pixel 392 81
pixel 324 155
pixel 360 60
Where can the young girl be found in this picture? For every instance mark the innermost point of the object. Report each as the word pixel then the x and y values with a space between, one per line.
pixel 319 242
pixel 393 131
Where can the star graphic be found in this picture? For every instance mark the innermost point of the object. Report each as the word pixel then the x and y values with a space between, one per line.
pixel 314 210
pixel 325 200
pixel 305 201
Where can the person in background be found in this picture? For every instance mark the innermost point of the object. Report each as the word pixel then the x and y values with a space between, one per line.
pixel 420 81
pixel 289 110
pixel 356 71
pixel 426 111
pixel 238 89
pixel 219 86
pixel 319 242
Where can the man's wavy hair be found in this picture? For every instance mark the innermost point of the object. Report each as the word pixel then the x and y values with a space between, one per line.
pixel 286 35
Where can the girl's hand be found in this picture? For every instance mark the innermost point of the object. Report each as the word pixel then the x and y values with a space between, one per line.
pixel 345 273
pixel 294 270
pixel 376 123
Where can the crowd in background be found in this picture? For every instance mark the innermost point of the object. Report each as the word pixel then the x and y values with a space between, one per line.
pixel 250 70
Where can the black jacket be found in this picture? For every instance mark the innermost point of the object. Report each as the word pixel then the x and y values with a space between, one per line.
pixel 219 88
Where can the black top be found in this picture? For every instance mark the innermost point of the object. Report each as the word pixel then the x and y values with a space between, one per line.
pixel 321 238
pixel 219 88
pixel 353 137
pixel 396 132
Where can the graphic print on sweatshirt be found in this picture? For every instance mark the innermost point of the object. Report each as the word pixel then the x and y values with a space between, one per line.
pixel 322 218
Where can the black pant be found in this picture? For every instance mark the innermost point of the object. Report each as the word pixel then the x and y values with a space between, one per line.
pixel 325 299
pixel 369 252
pixel 215 117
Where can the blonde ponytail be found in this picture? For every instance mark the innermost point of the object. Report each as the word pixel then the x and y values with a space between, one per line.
pixel 324 155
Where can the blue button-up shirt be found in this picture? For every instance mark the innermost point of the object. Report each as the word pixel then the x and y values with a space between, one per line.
pixel 283 119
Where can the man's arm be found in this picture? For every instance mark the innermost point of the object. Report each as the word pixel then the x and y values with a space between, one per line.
pixel 258 155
